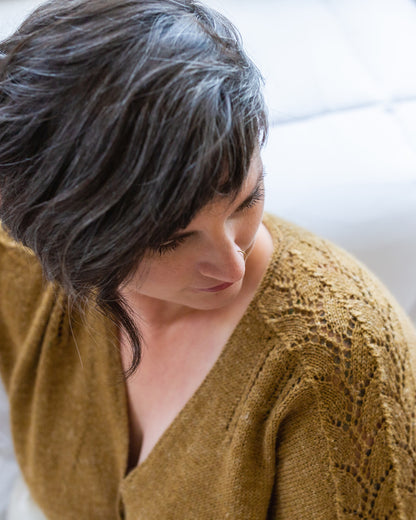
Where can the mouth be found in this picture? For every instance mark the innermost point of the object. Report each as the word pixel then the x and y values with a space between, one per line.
pixel 217 288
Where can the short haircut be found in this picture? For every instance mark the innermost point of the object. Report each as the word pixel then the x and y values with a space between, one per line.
pixel 118 119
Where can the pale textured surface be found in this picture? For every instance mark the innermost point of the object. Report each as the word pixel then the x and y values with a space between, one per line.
pixel 309 411
pixel 21 505
pixel 8 469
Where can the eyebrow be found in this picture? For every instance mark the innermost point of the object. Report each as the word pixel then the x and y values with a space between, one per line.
pixel 246 201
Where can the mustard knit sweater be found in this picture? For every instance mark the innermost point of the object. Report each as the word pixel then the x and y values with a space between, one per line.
pixel 308 413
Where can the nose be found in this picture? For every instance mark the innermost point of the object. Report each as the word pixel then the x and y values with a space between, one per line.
pixel 223 262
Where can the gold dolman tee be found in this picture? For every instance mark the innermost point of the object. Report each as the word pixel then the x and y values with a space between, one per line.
pixel 308 413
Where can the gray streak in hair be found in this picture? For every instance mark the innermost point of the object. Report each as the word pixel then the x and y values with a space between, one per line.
pixel 118 119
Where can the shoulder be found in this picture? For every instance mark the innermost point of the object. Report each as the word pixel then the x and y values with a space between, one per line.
pixel 26 300
pixel 350 338
pixel 12 252
pixel 327 288
pixel 354 354
pixel 8 243
pixel 20 270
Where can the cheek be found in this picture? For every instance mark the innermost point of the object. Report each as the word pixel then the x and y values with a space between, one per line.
pixel 251 224
pixel 166 272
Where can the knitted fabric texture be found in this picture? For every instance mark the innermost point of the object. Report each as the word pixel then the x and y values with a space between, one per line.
pixel 308 412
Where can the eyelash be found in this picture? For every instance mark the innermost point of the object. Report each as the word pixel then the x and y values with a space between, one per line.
pixel 173 244
pixel 257 197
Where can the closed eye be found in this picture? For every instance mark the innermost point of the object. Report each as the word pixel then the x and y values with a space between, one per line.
pixel 253 199
pixel 171 245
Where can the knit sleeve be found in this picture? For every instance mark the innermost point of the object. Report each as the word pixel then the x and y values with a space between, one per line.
pixel 25 300
pixel 346 447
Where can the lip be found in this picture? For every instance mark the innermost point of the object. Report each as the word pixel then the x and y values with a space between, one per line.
pixel 217 287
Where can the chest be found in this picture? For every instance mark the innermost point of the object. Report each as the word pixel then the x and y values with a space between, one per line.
pixel 174 365
pixel 168 376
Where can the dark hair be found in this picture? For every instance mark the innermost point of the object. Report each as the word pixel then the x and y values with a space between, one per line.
pixel 118 119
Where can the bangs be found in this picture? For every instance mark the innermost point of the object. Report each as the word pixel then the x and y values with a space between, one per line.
pixel 119 121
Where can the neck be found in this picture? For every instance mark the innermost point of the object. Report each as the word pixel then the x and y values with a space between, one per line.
pixel 152 313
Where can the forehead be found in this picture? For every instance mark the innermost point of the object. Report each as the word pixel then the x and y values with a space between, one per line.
pixel 254 168
pixel 254 175
pixel 252 180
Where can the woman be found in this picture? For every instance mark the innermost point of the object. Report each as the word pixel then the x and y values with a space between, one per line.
pixel 188 357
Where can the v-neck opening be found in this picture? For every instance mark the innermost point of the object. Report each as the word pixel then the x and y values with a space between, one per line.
pixel 201 389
